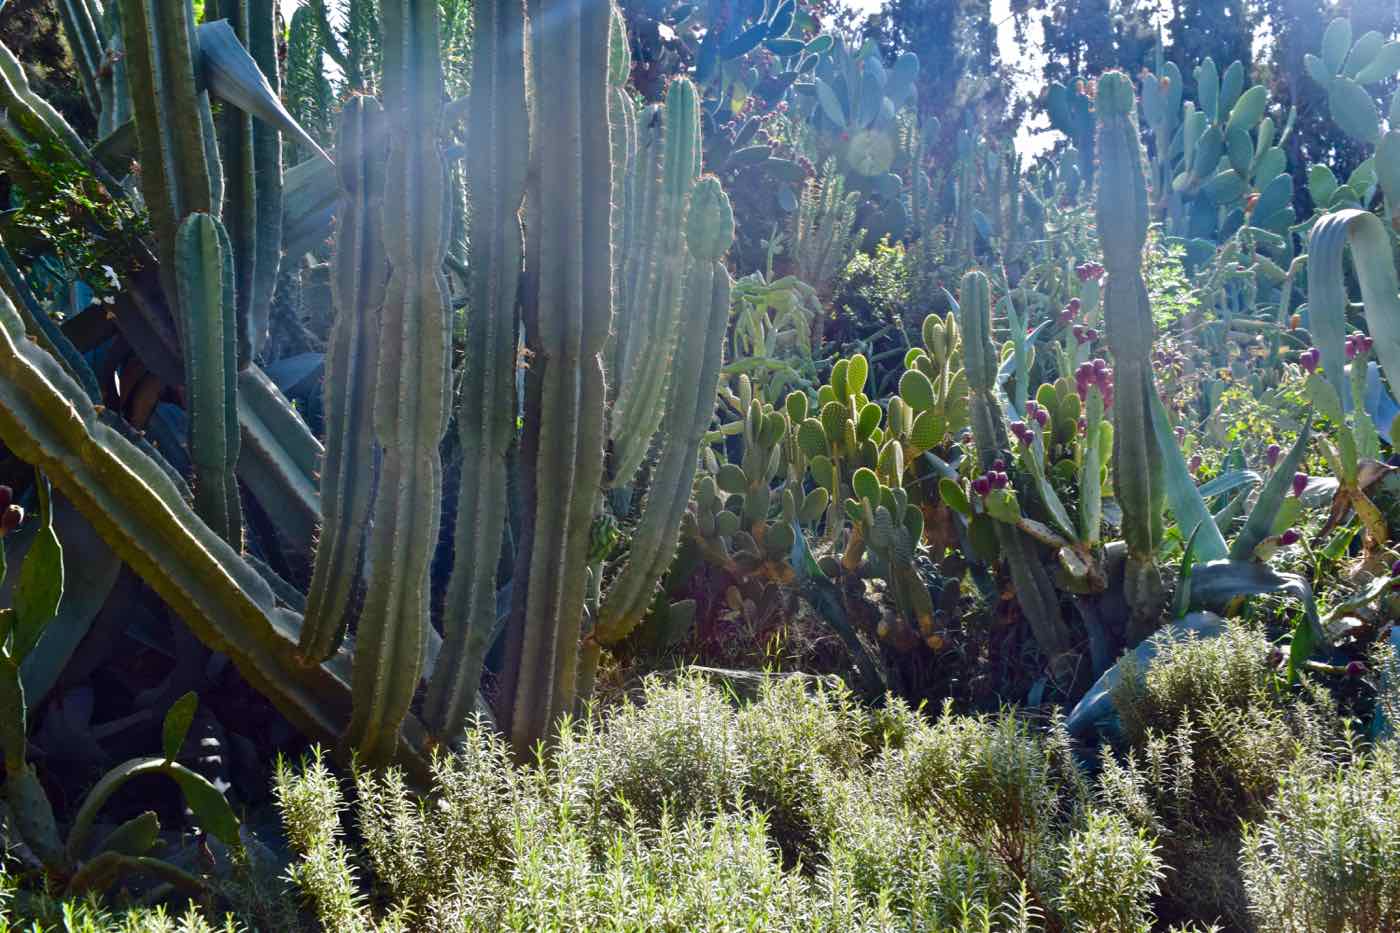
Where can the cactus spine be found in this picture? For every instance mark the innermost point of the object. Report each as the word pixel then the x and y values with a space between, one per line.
pixel 498 128
pixel 567 311
pixel 359 271
pixel 413 381
pixel 204 282
pixel 1122 221
pixel 1034 590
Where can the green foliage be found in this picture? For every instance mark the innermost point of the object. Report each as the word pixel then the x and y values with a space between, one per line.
pixel 1326 854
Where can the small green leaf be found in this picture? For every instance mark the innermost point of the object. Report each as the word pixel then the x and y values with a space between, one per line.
pixel 982 535
pixel 732 479
pixel 796 405
pixel 1249 109
pixel 1336 43
pixel 856 373
pixel 134 837
pixel 1384 65
pixel 953 496
pixel 177 724
pixel 1354 110
pixel 869 420
pixel 40 588
pixel 210 808
pixel 814 506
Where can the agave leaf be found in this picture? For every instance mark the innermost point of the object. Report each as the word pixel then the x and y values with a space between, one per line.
pixel 231 75
pixel 1327 296
pixel 1182 600
pixel 1260 523
pixel 1182 495
pixel 1228 482
pixel 1217 584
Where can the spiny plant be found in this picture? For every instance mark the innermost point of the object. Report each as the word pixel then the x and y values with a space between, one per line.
pixel 363 510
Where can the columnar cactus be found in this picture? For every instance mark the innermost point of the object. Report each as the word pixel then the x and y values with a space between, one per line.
pixel 497 126
pixel 413 383
pixel 567 312
pixel 204 279
pixel 667 166
pixel 359 271
pixel 1122 222
pixel 1034 590
pixel 710 230
pixel 172 120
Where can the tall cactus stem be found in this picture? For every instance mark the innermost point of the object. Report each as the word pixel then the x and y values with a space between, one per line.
pixel 172 120
pixel 267 163
pixel 498 131
pixel 567 311
pixel 698 356
pixel 240 208
pixel 204 282
pixel 413 382
pixel 359 271
pixel 1122 222
pixel 653 314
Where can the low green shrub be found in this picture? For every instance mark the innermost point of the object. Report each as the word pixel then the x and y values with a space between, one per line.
pixel 804 811
pixel 1326 855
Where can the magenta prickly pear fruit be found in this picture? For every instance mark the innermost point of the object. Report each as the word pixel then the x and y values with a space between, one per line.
pixel 11 519
pixel 1300 482
pixel 1290 537
pixel 1272 454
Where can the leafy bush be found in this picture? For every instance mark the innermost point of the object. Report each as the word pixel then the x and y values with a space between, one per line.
pixel 1326 856
pixel 1210 732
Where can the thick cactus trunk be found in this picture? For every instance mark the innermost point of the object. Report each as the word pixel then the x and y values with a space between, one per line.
pixel 410 397
pixel 498 137
pixel 1122 221
pixel 567 314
